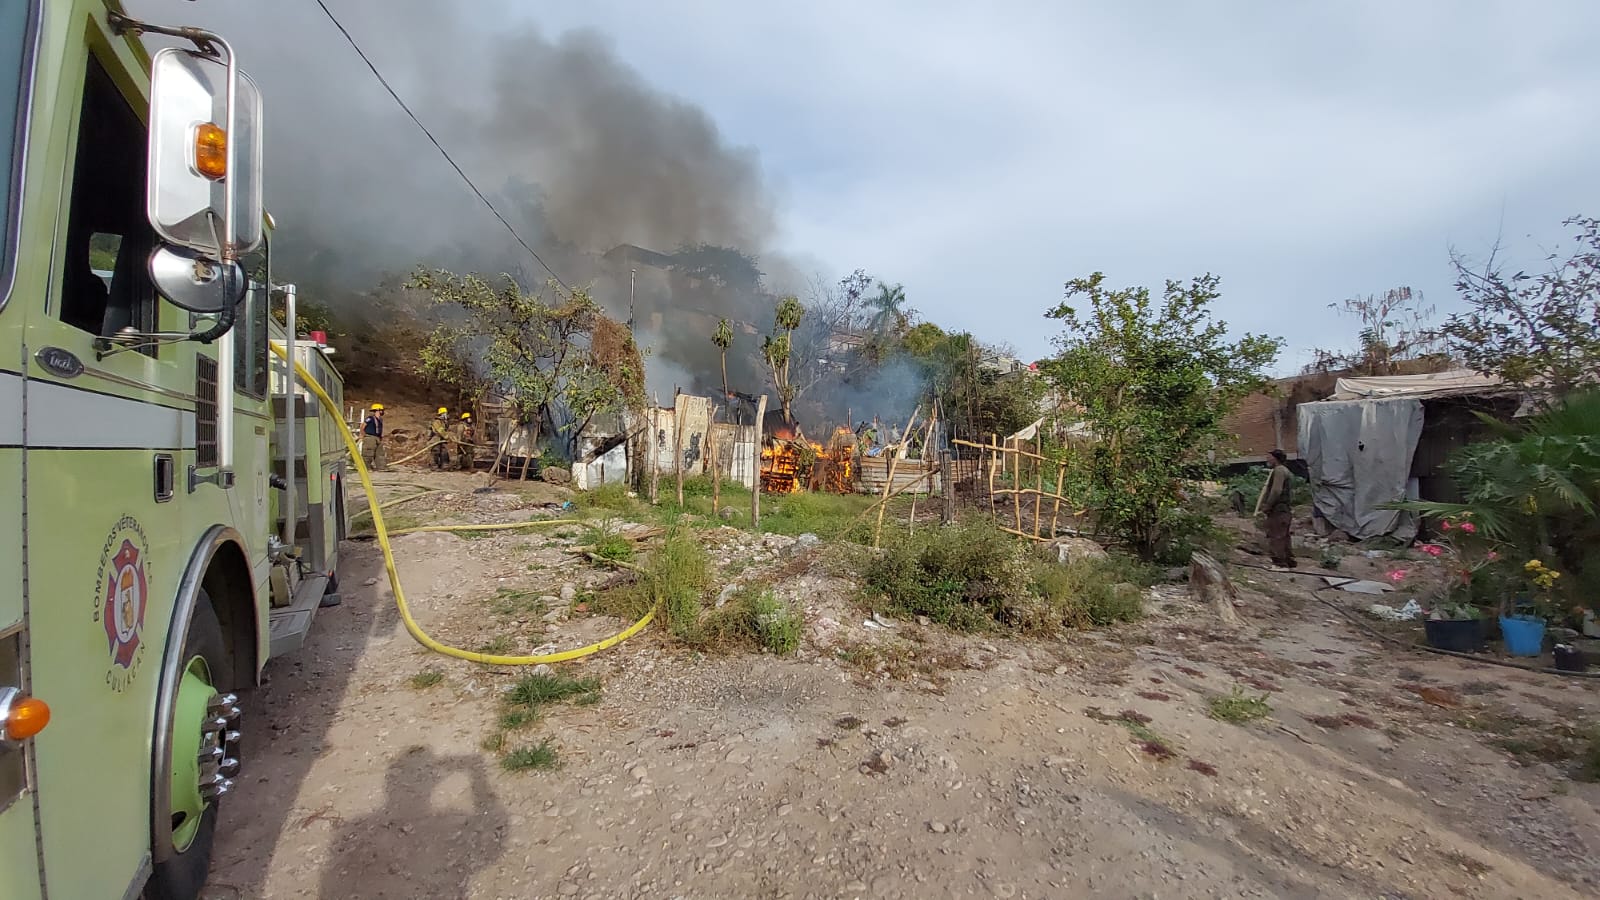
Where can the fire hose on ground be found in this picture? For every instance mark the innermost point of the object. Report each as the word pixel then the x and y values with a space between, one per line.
pixel 415 630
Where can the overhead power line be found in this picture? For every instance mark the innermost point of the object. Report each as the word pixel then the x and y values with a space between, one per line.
pixel 438 146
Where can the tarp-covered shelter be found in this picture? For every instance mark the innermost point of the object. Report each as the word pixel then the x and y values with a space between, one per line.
pixel 1384 438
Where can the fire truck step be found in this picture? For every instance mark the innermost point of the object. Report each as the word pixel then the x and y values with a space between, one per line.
pixel 289 625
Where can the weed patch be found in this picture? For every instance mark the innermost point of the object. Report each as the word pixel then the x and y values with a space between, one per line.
pixel 538 690
pixel 497 646
pixel 1239 708
pixel 535 757
pixel 1138 726
pixel 515 603
pixel 426 679
pixel 973 577
pixel 604 542
pixel 753 616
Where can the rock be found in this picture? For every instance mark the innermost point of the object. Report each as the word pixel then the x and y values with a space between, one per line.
pixel 555 615
pixel 737 758
pixel 1210 584
pixel 556 475
pixel 641 773
pixel 569 592
pixel 1073 549
pixel 1177 573
pixel 726 594
pixel 924 621
pixel 784 809
pixel 369 582
pixel 806 541
pixel 727 514
pixel 938 827
pixel 542 669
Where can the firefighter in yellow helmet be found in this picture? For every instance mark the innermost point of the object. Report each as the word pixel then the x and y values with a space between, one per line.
pixel 372 438
pixel 463 440
pixel 438 435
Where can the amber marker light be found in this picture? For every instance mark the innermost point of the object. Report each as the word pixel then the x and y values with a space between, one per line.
pixel 24 717
pixel 211 151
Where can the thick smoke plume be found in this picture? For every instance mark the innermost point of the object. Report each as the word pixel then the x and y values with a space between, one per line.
pixel 580 154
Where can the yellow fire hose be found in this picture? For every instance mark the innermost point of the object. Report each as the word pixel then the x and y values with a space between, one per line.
pixel 422 637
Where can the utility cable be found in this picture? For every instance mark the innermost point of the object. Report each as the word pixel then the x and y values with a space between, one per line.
pixel 440 147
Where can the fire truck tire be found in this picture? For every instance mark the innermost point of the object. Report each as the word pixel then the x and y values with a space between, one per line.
pixel 183 875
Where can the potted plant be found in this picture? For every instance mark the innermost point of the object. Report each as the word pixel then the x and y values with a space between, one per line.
pixel 1455 626
pixel 1456 621
pixel 1522 624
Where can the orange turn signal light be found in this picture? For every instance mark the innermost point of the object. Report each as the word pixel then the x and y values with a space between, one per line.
pixel 26 718
pixel 211 151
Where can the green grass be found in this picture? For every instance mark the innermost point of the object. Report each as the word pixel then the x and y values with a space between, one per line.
pixel 499 645
pixel 537 690
pixel 676 576
pixel 606 543
pixel 515 603
pixel 494 743
pixel 427 678
pixel 611 497
pixel 973 577
pixel 753 616
pixel 1238 708
pixel 534 757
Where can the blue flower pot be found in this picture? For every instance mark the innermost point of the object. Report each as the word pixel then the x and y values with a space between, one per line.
pixel 1524 635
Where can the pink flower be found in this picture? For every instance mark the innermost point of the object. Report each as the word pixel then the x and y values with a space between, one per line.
pixel 1468 527
pixel 1446 525
pixel 1398 575
pixel 1493 556
pixel 1433 550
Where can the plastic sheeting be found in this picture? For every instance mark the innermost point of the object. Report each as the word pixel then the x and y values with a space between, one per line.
pixel 1455 383
pixel 1359 455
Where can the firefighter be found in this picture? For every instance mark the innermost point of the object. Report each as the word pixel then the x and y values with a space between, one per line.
pixel 463 440
pixel 372 438
pixel 438 433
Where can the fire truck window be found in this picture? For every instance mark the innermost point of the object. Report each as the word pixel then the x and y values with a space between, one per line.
pixel 104 286
pixel 250 328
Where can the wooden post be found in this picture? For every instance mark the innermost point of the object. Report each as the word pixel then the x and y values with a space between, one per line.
pixel 1038 498
pixel 677 444
pixel 755 464
pixel 1055 517
pixel 945 460
pixel 655 451
pixel 714 460
pixel 888 480
pixel 1016 483
pixel 994 455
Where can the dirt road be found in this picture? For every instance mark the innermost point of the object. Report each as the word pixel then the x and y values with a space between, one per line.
pixel 968 767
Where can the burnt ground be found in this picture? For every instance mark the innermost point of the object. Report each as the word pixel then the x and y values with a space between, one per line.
pixel 889 762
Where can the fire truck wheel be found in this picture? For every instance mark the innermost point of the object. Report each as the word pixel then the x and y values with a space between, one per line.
pixel 196 709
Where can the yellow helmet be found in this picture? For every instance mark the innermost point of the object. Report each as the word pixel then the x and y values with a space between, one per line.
pixel 466 415
pixel 443 410
pixel 377 407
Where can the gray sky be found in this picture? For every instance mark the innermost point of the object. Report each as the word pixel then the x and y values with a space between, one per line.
pixel 984 155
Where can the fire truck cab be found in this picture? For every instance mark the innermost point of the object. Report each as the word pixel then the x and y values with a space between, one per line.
pixel 172 501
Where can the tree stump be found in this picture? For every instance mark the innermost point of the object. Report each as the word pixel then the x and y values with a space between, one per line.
pixel 1210 584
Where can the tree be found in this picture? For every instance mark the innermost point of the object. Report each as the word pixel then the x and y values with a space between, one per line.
pixel 777 349
pixel 1538 331
pixel 723 338
pixel 890 316
pixel 1154 381
pixel 1395 328
pixel 561 362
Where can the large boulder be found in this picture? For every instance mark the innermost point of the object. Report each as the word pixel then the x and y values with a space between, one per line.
pixel 1074 549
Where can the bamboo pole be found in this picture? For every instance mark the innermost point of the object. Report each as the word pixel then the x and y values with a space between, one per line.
pixel 678 404
pixel 1038 497
pixel 1016 478
pixel 755 463
pixel 993 456
pixel 1055 517
pixel 1006 448
pixel 927 436
pixel 655 452
pixel 714 456
pixel 888 481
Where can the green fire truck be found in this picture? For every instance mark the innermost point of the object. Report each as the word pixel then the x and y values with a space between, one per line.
pixel 173 500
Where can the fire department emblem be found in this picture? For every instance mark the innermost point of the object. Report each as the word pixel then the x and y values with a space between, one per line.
pixel 123 598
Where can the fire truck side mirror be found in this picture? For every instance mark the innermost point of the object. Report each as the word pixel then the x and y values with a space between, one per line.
pixel 204 182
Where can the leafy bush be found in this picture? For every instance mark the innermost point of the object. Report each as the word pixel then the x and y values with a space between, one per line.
pixel 1239 708
pixel 612 496
pixel 973 576
pixel 606 543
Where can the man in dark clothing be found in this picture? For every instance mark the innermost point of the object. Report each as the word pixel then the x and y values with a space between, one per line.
pixel 372 438
pixel 1275 502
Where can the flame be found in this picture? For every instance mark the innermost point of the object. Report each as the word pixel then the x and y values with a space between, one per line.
pixel 780 469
